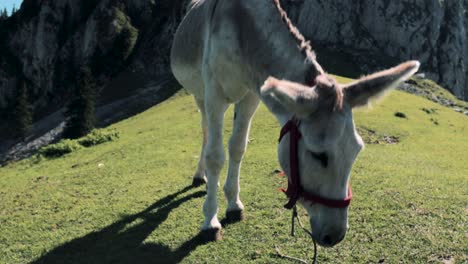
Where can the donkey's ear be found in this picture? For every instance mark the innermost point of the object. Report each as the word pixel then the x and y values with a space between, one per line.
pixel 294 97
pixel 360 92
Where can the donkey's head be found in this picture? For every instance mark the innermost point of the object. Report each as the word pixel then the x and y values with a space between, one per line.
pixel 330 143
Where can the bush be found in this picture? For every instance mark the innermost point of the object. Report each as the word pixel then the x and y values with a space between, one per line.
pixel 66 146
pixel 98 136
pixel 59 149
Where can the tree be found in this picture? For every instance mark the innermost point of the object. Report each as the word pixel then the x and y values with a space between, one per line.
pixel 80 113
pixel 22 114
pixel 3 14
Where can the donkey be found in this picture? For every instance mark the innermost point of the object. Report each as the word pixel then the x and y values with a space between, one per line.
pixel 227 52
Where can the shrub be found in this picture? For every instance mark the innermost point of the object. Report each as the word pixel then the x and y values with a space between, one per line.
pixel 66 146
pixel 59 149
pixel 98 136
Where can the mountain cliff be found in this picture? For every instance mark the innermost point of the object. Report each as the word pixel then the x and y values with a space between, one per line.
pixel 124 42
pixel 373 34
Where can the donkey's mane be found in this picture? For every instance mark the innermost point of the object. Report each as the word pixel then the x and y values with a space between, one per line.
pixel 304 45
pixel 306 49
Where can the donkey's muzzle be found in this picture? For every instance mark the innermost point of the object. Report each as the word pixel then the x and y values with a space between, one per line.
pixel 329 238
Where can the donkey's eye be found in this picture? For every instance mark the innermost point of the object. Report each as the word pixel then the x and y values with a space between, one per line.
pixel 322 157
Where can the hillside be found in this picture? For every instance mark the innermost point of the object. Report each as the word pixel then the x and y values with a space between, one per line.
pixel 128 201
pixel 126 43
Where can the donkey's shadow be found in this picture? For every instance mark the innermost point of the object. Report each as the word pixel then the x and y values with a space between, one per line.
pixel 118 244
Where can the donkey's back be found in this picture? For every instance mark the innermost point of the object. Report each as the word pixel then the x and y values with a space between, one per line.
pixel 221 41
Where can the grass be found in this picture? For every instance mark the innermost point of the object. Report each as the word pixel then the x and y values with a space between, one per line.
pixel 127 201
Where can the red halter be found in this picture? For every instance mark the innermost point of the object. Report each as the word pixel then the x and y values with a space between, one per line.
pixel 295 191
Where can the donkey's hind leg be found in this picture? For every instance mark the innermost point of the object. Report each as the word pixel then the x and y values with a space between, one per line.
pixel 215 107
pixel 199 178
pixel 244 111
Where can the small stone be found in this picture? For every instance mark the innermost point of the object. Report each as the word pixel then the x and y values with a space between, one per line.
pixel 400 115
pixel 41 178
pixel 420 75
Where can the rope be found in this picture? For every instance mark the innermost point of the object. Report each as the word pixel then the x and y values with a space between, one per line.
pixel 293 218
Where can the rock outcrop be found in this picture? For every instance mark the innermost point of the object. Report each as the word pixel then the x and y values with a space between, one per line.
pixel 372 34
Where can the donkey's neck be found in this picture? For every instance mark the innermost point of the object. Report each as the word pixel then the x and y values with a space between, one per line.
pixel 268 48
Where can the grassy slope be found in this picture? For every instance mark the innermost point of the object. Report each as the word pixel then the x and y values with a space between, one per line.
pixel 126 201
pixel 432 91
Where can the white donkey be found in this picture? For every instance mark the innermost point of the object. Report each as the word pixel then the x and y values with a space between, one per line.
pixel 225 52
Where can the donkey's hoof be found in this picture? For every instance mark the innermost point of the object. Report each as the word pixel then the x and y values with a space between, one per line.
pixel 198 182
pixel 235 216
pixel 211 235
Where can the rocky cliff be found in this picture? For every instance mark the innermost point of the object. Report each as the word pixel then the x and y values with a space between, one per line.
pixel 126 42
pixel 373 34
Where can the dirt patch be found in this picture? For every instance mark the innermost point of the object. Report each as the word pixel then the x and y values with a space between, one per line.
pixel 430 111
pixel 445 259
pixel 370 136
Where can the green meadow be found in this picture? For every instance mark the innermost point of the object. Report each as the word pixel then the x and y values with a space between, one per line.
pixel 130 201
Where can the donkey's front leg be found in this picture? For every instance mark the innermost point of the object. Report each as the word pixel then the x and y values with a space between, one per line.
pixel 243 113
pixel 215 108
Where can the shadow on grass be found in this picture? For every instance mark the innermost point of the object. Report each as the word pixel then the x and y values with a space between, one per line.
pixel 118 244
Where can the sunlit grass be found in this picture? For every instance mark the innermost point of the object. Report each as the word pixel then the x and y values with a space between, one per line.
pixel 124 201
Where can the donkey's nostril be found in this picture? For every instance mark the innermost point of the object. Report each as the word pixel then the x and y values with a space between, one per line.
pixel 327 240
